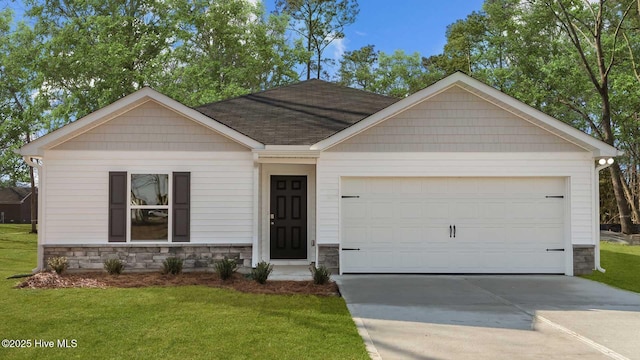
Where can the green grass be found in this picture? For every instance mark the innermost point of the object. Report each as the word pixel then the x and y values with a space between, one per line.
pixel 622 263
pixel 190 322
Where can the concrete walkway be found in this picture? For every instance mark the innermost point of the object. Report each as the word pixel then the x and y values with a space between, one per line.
pixel 492 317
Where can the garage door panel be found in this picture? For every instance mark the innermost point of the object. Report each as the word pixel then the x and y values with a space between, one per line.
pixel 503 225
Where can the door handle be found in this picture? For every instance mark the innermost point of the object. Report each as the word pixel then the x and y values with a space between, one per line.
pixel 450 230
pixel 454 231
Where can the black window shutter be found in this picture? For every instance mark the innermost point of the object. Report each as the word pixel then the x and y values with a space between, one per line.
pixel 117 206
pixel 181 206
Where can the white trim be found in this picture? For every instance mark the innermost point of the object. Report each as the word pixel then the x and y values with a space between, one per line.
pixel 123 105
pixel 569 133
pixel 168 207
pixel 312 204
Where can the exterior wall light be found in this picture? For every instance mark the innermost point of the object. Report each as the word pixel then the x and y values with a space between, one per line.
pixel 603 161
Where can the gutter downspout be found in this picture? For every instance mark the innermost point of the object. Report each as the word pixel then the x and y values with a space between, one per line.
pixel 38 167
pixel 596 201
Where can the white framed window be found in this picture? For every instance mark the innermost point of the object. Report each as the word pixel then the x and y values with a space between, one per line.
pixel 149 207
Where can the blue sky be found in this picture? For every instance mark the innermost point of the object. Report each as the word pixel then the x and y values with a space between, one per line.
pixel 411 25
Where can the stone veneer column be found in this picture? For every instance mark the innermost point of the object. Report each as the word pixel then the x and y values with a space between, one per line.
pixel 584 260
pixel 329 256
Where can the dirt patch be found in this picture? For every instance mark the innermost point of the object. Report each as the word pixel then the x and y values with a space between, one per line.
pixel 51 280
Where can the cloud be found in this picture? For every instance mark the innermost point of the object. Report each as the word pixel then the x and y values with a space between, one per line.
pixel 361 33
pixel 339 46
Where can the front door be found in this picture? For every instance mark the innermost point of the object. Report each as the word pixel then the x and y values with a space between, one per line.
pixel 288 217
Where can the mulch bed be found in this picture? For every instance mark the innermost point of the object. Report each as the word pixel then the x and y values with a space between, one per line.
pixel 51 280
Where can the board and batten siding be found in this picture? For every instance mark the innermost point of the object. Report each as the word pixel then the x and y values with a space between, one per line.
pixel 455 121
pixel 577 167
pixel 76 193
pixel 151 127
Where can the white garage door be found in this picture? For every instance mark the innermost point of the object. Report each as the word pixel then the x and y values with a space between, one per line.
pixel 453 225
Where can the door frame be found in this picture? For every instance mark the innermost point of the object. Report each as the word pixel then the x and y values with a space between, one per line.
pixel 266 171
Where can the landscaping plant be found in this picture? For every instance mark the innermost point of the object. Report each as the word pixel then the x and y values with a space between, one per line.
pixel 113 266
pixel 261 272
pixel 58 264
pixel 321 275
pixel 172 265
pixel 225 268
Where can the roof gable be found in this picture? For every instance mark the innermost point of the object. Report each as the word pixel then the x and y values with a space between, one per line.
pixel 101 116
pixel 151 127
pixel 499 99
pixel 455 120
pixel 299 114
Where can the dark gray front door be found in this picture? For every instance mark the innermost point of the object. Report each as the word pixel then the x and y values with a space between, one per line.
pixel 288 217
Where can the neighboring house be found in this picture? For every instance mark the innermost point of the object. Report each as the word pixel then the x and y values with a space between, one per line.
pixel 456 178
pixel 15 205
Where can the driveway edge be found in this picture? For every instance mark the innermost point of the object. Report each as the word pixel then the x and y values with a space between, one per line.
pixel 366 338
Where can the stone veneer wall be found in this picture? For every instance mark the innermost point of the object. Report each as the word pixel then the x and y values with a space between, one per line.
pixel 584 259
pixel 329 256
pixel 141 257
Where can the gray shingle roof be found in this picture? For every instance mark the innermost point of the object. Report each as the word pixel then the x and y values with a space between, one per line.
pixel 300 114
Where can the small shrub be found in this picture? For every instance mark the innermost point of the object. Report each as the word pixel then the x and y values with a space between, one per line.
pixel 225 268
pixel 58 264
pixel 172 265
pixel 321 275
pixel 261 272
pixel 113 266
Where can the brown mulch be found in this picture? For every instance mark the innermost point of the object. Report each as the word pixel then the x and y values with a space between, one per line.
pixel 51 280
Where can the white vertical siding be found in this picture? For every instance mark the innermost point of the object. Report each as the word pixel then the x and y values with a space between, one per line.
pixel 455 120
pixel 574 166
pixel 76 194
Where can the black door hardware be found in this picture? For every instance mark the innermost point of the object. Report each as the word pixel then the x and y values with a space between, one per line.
pixel 351 249
pixel 454 231
pixel 555 249
pixel 350 196
pixel 450 230
pixel 555 196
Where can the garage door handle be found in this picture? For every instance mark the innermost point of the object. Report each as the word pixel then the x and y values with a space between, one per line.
pixel 555 249
pixel 351 249
pixel 450 230
pixel 454 231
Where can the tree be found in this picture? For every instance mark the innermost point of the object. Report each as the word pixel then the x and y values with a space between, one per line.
pixel 318 23
pixel 225 49
pixel 595 32
pixel 99 51
pixel 398 74
pixel 357 68
pixel 23 101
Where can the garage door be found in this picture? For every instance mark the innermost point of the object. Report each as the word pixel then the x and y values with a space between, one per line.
pixel 453 225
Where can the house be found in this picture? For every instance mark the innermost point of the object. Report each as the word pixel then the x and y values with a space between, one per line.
pixel 15 205
pixel 456 178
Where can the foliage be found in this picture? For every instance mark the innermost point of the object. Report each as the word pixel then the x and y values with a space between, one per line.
pixel 58 264
pixel 115 323
pixel 261 272
pixel 398 74
pixel 114 266
pixel 321 275
pixel 225 49
pixel 622 263
pixel 172 265
pixel 225 268
pixel 23 102
pixel 318 23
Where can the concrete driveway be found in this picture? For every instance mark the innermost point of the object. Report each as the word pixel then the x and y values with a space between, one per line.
pixel 492 317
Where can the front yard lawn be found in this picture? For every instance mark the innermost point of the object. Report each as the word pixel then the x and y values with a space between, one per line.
pixel 622 263
pixel 185 322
